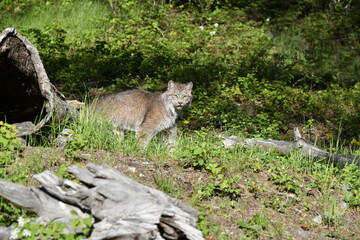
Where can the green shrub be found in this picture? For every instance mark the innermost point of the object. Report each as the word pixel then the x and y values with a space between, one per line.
pixel 9 145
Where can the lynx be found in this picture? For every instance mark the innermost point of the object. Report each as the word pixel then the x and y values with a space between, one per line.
pixel 147 113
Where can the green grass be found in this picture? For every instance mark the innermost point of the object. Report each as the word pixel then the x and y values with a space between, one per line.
pixel 79 18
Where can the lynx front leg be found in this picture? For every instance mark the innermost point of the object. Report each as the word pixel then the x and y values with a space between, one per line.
pixel 144 138
pixel 119 133
pixel 170 138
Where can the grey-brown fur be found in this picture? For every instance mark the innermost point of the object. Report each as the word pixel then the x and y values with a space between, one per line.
pixel 147 113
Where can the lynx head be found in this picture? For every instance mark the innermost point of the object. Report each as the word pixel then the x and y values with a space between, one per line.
pixel 179 94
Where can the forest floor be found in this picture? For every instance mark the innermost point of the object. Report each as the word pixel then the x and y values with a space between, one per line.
pixel 264 211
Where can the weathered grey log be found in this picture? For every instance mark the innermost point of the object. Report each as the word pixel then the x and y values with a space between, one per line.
pixel 26 93
pixel 300 144
pixel 122 208
pixel 5 233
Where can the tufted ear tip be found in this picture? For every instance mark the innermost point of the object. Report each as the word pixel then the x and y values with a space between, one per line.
pixel 171 84
pixel 189 86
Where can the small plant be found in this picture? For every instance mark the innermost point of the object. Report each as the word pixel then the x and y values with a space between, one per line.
pixel 74 144
pixel 210 231
pixel 30 230
pixel 254 187
pixel 275 203
pixel 34 231
pixel 350 178
pixel 62 172
pixel 219 184
pixel 165 184
pixel 284 181
pixel 323 176
pixel 254 226
pixel 199 164
pixel 332 213
pixel 197 153
pixel 9 212
pixel 227 188
pixel 221 187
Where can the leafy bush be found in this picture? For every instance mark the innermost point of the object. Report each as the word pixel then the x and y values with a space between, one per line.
pixel 9 144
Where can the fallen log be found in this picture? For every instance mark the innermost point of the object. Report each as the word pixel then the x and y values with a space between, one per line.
pixel 121 207
pixel 299 144
pixel 27 98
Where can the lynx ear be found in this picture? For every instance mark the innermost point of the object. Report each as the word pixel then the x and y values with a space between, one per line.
pixel 189 86
pixel 171 84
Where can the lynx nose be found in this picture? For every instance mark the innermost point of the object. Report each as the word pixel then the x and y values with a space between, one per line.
pixel 180 103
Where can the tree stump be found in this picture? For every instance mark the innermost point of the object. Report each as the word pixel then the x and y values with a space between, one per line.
pixel 27 98
pixel 122 208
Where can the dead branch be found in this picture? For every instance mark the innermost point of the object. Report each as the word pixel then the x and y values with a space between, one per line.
pixel 300 144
